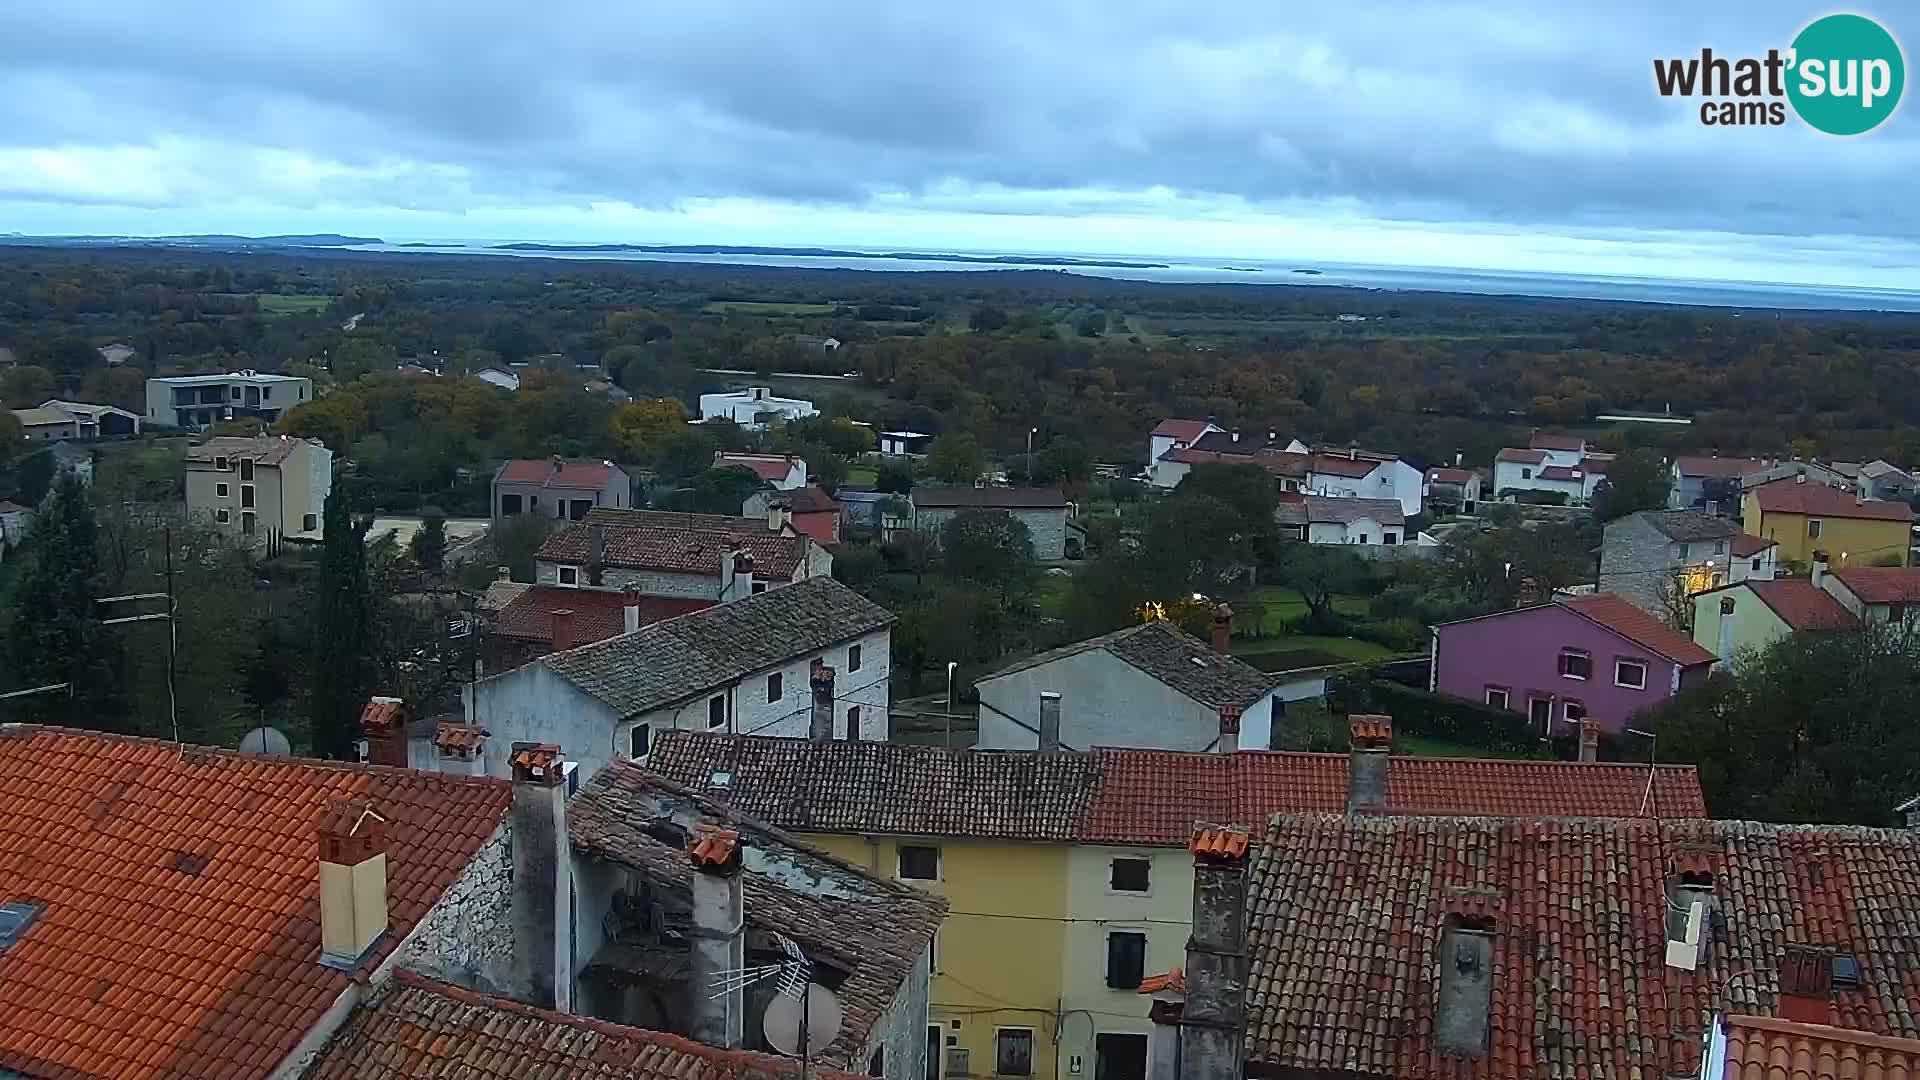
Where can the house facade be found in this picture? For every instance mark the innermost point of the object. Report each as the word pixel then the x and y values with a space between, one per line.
pixel 904 443
pixel 1747 616
pixel 1879 480
pixel 1697 477
pixel 559 488
pixel 44 424
pixel 746 666
pixel 1042 510
pixel 1318 519
pixel 783 471
pixel 1454 490
pixel 198 401
pixel 261 488
pixel 1873 594
pixel 1595 656
pixel 1170 435
pixel 692 556
pixel 1803 516
pixel 755 408
pixel 98 421
pixel 1151 685
pixel 1657 558
pixel 1358 474
pixel 811 511
pixel 492 376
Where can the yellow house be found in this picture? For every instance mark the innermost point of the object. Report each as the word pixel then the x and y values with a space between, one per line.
pixel 1805 517
pixel 1752 614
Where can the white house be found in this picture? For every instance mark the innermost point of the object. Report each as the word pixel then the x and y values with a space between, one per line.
pixel 904 443
pixel 691 556
pixel 192 401
pixel 784 471
pixel 1362 474
pixel 743 667
pixel 755 407
pixel 1319 519
pixel 493 376
pixel 1562 463
pixel 1173 435
pixel 1152 685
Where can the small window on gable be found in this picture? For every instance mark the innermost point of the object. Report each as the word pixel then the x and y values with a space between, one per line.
pixel 853 658
pixel 717 711
pixel 1576 664
pixel 774 689
pixel 640 741
pixel 220 463
pixel 1131 875
pixel 1756 566
pixel 1631 674
pixel 919 862
pixel 569 575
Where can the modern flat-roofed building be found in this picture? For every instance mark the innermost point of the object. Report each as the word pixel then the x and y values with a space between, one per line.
pixel 196 401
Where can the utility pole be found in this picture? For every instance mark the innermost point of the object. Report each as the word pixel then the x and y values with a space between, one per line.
pixel 173 636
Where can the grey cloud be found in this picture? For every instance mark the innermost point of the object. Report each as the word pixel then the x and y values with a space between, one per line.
pixel 1504 111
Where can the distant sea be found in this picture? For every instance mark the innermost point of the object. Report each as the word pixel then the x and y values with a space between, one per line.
pixel 1189 270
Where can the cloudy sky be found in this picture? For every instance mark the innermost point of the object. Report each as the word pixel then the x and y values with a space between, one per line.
pixel 1515 134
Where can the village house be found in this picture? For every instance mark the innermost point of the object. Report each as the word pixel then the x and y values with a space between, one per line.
pixel 493 376
pixel 784 471
pixel 1873 594
pixel 1710 482
pixel 15 520
pixel 1453 490
pixel 1656 559
pixel 1067 872
pixel 44 424
pixel 1042 510
pixel 1560 662
pixel 262 488
pixel 755 665
pixel 1150 685
pixel 691 556
pixel 1288 468
pixel 1562 464
pixel 904 443
pixel 1802 515
pixel 561 488
pixel 755 408
pixel 1168 436
pixel 811 511
pixel 97 421
pixel 541 619
pixel 1496 949
pixel 1360 474
pixel 1879 480
pixel 198 401
pixel 1752 614
pixel 1319 519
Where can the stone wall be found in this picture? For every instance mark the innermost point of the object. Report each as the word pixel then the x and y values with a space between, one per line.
pixel 467 938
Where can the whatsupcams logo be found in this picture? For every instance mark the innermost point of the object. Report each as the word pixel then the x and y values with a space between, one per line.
pixel 1843 75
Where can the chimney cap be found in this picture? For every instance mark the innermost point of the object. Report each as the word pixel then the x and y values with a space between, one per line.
pixel 1218 843
pixel 1370 731
pixel 351 832
pixel 382 715
pixel 537 763
pixel 1230 719
pixel 714 849
pixel 1172 981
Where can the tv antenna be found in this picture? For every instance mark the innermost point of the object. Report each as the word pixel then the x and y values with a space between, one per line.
pixel 804 1018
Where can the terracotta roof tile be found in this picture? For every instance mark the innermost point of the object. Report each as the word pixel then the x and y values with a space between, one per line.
pixel 807 500
pixel 1639 627
pixel 265 449
pixel 1791 496
pixel 1521 457
pixel 459 738
pixel 1337 465
pixel 382 714
pixel 1763 1048
pixel 1881 584
pixel 1449 476
pixel 1561 472
pixel 677 543
pixel 556 473
pixel 1745 545
pixel 1802 606
pixel 1372 729
pixel 180 933
pixel 415 1028
pixel 1224 843
pixel 1346 916
pixel 598 614
pixel 713 846
pixel 1185 430
pixel 769 467
pixel 1173 981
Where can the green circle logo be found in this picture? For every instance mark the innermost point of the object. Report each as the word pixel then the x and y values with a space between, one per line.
pixel 1847 74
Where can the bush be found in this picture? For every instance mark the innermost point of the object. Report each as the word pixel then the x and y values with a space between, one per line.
pixel 1534 498
pixel 1400 635
pixel 1435 716
pixel 1310 726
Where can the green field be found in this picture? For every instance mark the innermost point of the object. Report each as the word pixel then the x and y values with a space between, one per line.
pixel 290 304
pixel 1284 604
pixel 757 307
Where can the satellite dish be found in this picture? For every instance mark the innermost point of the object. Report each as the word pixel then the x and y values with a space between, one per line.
pixel 271 742
pixel 823 1015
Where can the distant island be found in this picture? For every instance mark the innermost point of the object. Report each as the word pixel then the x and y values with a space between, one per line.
pixel 1243 269
pixel 834 253
pixel 208 240
pixel 1313 272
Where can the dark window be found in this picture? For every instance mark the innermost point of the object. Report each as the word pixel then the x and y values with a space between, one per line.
pixel 1576 711
pixel 1630 673
pixel 853 658
pixel 1575 664
pixel 246 523
pixel 1131 875
pixel 1390 538
pixel 1756 566
pixel 579 509
pixel 1013 1052
pixel 309 522
pixel 1896 612
pixel 877 1064
pixel 759 587
pixel 569 575
pixel 919 863
pixel 220 490
pixel 716 711
pixel 1496 697
pixel 246 468
pixel 773 687
pixel 1813 527
pixel 246 495
pixel 15 917
pixel 509 504
pixel 1540 711
pixel 1119 1057
pixel 220 463
pixel 853 724
pixel 1126 959
pixel 223 515
pixel 642 739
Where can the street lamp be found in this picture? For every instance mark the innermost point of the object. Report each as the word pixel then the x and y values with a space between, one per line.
pixel 1031 432
pixel 951 664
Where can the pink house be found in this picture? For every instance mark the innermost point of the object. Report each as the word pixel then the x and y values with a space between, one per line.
pixel 1582 656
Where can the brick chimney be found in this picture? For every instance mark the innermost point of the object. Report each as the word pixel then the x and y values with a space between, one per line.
pixel 1213 1025
pixel 1819 575
pixel 821 678
pixel 542 878
pixel 1049 720
pixel 461 749
pixel 1527 594
pixel 384 722
pixel 736 575
pixel 562 629
pixel 596 554
pixel 1589 739
pixel 1806 984
pixel 353 882
pixel 1369 751
pixel 1230 728
pixel 1169 1001
pixel 718 950
pixel 1223 629
pixel 630 608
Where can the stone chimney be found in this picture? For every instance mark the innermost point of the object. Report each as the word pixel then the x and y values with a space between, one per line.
pixel 1589 739
pixel 736 575
pixel 1726 628
pixel 461 749
pixel 718 950
pixel 1370 749
pixel 1463 1013
pixel 821 727
pixel 1049 720
pixel 1222 629
pixel 596 554
pixel 1213 1025
pixel 542 879
pixel 353 882
pixel 1819 574
pixel 563 629
pixel 384 722
pixel 1168 1002
pixel 1230 728
pixel 778 515
pixel 630 608
pixel 1806 984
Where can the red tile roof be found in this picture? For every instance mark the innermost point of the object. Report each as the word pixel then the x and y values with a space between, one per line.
pixel 1335 465
pixel 769 467
pixel 1277 462
pixel 180 930
pixel 1596 463
pixel 1747 545
pixel 1547 441
pixel 1881 584
pixel 677 543
pixel 1184 430
pixel 713 846
pixel 415 1028
pixel 563 474
pixel 1763 1048
pixel 1562 472
pixel 1792 496
pixel 459 738
pixel 598 614
pixel 381 714
pixel 1347 915
pixel 1153 797
pixel 808 500
pixel 1449 476
pixel 1521 457
pixel 1800 605
pixel 1717 467
pixel 1639 627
